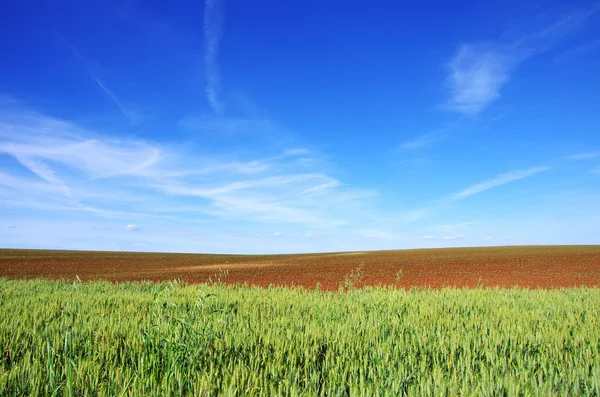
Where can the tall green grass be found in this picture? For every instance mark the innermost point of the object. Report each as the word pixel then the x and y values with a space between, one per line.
pixel 102 339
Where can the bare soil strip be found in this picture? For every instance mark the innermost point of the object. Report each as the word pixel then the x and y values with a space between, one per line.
pixel 506 267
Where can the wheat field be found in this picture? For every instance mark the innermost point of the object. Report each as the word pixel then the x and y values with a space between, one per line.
pixel 136 339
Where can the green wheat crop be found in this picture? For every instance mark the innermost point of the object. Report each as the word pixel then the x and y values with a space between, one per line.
pixel 138 339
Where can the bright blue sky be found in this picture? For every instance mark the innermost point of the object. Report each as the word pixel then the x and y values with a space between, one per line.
pixel 270 127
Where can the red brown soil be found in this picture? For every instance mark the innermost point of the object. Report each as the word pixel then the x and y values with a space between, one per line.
pixel 527 267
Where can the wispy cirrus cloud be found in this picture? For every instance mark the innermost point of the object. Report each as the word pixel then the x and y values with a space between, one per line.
pixel 279 234
pixel 65 167
pixel 434 136
pixel 45 173
pixel 130 115
pixel 454 237
pixel 98 159
pixel 423 140
pixel 437 206
pixel 213 30
pixel 585 156
pixel 479 70
pixel 497 181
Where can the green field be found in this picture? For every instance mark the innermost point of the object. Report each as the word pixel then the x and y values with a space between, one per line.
pixel 137 339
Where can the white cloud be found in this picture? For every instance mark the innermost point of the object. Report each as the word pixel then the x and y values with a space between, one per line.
pixel 585 156
pixel 213 30
pixel 70 168
pixel 44 172
pixel 267 182
pixel 423 140
pixel 323 186
pixel 428 237
pixel 97 159
pixel 487 238
pixel 499 180
pixel 298 234
pixel 455 237
pixel 478 71
pixel 132 228
pixel 130 115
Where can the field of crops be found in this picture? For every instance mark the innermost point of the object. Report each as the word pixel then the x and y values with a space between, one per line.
pixel 528 267
pixel 135 339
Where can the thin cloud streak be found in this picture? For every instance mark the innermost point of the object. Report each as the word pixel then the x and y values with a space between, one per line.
pixel 433 137
pixel 213 30
pixel 423 140
pixel 114 98
pixel 456 237
pixel 499 180
pixel 129 115
pixel 585 156
pixel 44 172
pixel 436 206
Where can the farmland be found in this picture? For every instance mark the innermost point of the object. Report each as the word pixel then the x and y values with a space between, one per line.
pixel 107 339
pixel 527 267
pixel 470 321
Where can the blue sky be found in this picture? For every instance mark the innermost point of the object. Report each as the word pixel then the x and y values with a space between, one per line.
pixel 272 127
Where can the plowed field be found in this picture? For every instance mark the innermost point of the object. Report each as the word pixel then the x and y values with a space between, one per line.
pixel 528 267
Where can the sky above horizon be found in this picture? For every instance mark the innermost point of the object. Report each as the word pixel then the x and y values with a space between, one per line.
pixel 277 127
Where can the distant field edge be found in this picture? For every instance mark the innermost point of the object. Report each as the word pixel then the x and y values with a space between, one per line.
pixel 533 267
pixel 91 251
